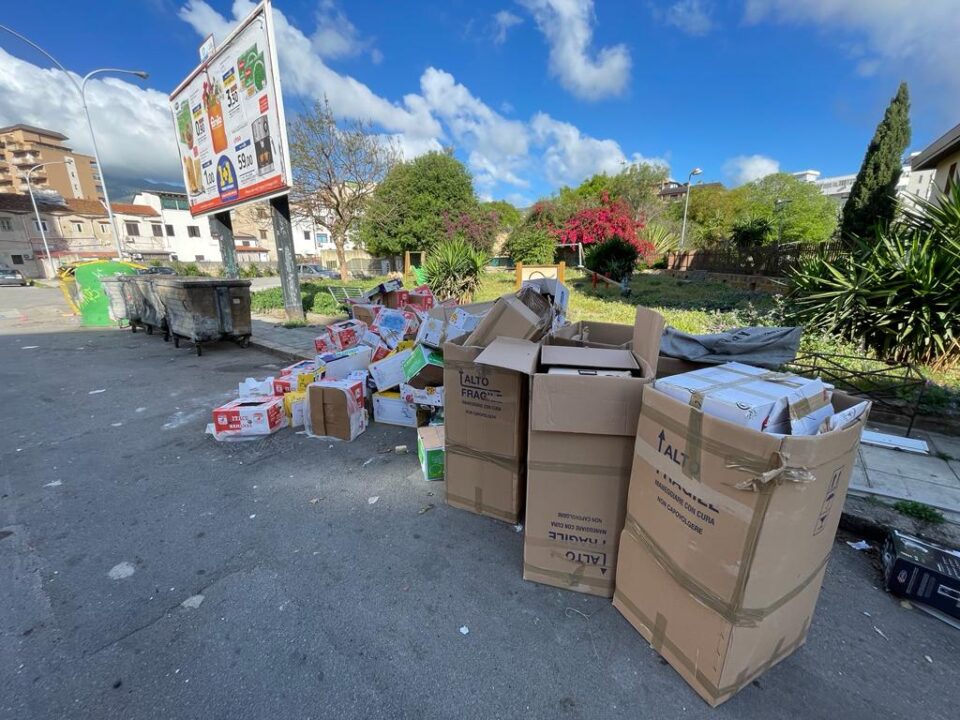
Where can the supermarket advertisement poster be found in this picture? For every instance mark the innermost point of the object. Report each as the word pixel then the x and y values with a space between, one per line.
pixel 229 120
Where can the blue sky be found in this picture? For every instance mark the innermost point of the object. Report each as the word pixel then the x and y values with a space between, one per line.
pixel 531 93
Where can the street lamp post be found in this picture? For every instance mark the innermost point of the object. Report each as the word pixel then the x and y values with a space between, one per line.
pixel 686 206
pixel 81 88
pixel 33 201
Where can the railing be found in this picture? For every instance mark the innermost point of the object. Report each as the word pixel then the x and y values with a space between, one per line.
pixel 769 260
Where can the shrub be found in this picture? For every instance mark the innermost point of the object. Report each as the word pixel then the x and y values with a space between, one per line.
pixel 455 269
pixel 531 244
pixel 897 293
pixel 189 269
pixel 616 258
pixel 751 232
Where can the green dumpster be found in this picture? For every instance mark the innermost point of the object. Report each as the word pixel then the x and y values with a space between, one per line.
pixel 93 303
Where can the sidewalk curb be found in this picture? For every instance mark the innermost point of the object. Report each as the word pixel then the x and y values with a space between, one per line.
pixel 872 520
pixel 283 352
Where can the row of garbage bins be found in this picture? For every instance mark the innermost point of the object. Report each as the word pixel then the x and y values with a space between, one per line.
pixel 198 310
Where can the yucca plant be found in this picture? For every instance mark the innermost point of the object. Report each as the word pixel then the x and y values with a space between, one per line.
pixel 897 294
pixel 663 239
pixel 454 269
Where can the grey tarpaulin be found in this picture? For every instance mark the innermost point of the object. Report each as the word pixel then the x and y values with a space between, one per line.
pixel 762 346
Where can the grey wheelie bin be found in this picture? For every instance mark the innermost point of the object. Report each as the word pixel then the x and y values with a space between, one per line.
pixel 154 316
pixel 134 301
pixel 116 302
pixel 205 309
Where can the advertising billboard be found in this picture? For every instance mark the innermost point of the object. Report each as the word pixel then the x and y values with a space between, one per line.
pixel 229 121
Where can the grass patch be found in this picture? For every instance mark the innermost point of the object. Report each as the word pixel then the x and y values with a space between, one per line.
pixel 919 511
pixel 294 324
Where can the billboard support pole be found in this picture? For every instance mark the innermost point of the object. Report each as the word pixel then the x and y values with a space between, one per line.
pixel 222 227
pixel 286 257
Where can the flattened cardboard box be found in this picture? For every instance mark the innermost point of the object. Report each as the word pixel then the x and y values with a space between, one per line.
pixel 485 411
pixel 579 457
pixel 726 539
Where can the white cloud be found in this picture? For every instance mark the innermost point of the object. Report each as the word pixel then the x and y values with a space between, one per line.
pixel 690 16
pixel 503 21
pixel 916 39
pixel 336 37
pixel 303 72
pixel 411 147
pixel 568 28
pixel 497 147
pixel 747 168
pixel 134 126
pixel 569 156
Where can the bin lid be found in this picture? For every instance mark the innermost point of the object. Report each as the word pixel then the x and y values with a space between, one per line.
pixel 183 282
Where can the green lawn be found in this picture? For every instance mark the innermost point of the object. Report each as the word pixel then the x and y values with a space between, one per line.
pixel 690 306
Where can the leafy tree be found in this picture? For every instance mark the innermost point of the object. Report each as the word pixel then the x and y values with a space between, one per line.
pixel 508 217
pixel 713 210
pixel 873 197
pixel 639 187
pixel 806 214
pixel 407 209
pixel 612 218
pixel 531 244
pixel 336 168
pixel 477 226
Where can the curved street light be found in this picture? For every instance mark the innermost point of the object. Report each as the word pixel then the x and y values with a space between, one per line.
pixel 33 201
pixel 686 205
pixel 81 88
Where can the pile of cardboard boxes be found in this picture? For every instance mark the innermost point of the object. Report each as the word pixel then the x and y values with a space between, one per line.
pixel 705 503
pixel 703 500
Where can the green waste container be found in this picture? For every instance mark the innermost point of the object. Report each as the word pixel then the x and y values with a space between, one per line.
pixel 93 302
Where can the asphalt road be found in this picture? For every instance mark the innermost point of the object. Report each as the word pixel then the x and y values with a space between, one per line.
pixel 116 510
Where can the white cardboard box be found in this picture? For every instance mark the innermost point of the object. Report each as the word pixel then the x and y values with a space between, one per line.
pixel 753 397
pixel 390 408
pixel 388 373
pixel 338 366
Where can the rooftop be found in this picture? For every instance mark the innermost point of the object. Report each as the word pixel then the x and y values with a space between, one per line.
pixel 131 209
pixel 930 156
pixel 33 129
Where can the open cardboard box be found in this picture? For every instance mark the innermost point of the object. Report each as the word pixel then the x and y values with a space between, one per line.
pixel 727 537
pixel 579 451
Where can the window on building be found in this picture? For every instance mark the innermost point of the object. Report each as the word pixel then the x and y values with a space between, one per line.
pixel 16 259
pixel 168 203
pixel 78 227
pixel 38 225
pixel 104 228
pixel 322 238
pixel 133 229
pixel 5 224
pixel 193 231
pixel 169 230
pixel 198 258
pixel 263 234
pixel 157 229
pixel 306 234
pixel 245 243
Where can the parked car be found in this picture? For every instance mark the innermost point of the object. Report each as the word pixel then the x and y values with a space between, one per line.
pixel 158 270
pixel 9 276
pixel 316 272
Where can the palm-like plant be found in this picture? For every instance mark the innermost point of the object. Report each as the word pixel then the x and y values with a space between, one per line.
pixel 454 269
pixel 663 239
pixel 898 293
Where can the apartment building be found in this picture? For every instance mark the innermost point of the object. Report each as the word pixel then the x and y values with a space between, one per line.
pixel 186 238
pixel 23 146
pixel 914 182
pixel 942 159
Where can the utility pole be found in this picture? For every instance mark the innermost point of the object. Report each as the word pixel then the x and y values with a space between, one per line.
pixel 286 257
pixel 221 227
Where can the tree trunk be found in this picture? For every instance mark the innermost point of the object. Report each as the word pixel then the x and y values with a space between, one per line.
pixel 340 241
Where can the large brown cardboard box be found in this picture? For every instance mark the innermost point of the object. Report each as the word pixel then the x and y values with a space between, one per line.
pixel 579 454
pixel 587 333
pixel 526 314
pixel 485 413
pixel 726 539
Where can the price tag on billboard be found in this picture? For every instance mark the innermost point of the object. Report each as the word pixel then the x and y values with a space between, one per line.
pixel 229 120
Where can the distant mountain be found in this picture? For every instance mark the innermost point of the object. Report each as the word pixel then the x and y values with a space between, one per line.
pixel 123 189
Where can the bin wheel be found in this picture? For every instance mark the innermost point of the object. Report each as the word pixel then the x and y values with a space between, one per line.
pixel 176 341
pixel 149 329
pixel 199 349
pixel 245 341
pixel 133 327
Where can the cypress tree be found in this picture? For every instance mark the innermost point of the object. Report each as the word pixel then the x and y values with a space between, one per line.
pixel 873 197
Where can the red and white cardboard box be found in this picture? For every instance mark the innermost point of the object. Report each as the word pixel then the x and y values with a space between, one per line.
pixel 249 416
pixel 375 343
pixel 300 367
pixel 324 344
pixel 421 298
pixel 354 385
pixel 430 395
pixel 347 334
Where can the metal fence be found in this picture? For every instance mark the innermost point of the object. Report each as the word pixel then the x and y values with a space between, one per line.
pixel 769 260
